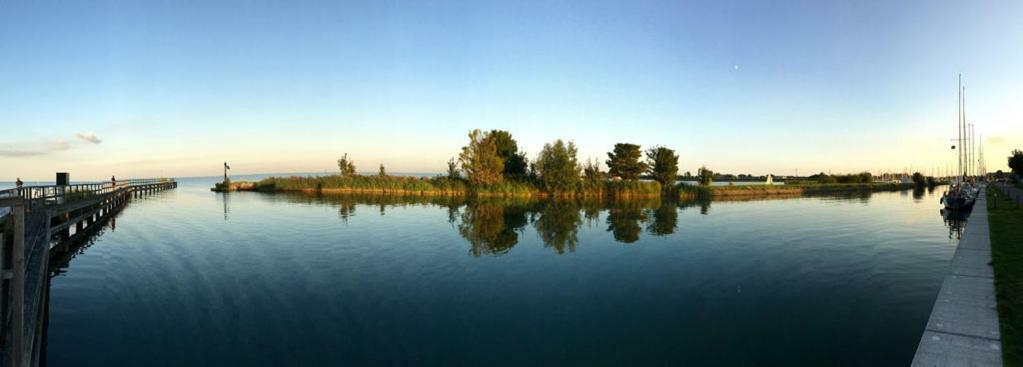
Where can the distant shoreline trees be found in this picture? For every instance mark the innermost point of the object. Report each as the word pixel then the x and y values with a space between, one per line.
pixel 919 180
pixel 492 164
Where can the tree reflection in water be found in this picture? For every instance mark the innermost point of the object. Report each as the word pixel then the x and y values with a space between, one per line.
pixel 558 225
pixel 493 226
pixel 665 219
pixel 624 219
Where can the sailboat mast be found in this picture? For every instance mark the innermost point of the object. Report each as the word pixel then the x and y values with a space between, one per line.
pixel 981 169
pixel 959 126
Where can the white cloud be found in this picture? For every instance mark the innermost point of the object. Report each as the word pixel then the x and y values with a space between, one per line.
pixel 88 137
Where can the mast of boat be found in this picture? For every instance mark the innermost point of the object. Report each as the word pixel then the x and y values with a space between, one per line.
pixel 981 169
pixel 959 128
pixel 973 162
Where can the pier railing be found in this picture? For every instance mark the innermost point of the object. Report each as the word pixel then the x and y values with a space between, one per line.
pixel 62 194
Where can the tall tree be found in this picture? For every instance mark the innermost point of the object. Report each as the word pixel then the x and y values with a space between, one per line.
pixel 508 149
pixel 346 165
pixel 453 172
pixel 382 172
pixel 480 161
pixel 558 167
pixel 592 174
pixel 663 164
pixel 624 161
pixel 705 175
pixel 1016 162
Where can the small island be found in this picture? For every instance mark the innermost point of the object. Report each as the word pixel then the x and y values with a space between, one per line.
pixel 491 164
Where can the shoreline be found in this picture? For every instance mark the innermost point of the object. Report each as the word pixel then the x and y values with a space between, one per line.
pixel 684 192
pixel 794 190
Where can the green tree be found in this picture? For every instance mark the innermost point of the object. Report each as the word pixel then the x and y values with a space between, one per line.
pixel 1016 162
pixel 453 172
pixel 663 164
pixel 346 165
pixel 919 180
pixel 480 161
pixel 624 161
pixel 593 177
pixel 382 172
pixel 558 168
pixel 515 164
pixel 705 176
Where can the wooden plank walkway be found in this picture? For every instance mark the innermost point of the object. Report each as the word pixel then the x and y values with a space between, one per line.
pixel 37 230
pixel 963 328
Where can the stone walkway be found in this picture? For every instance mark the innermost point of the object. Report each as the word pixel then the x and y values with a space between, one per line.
pixel 963 327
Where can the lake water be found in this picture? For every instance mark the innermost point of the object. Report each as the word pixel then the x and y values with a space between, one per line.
pixel 188 277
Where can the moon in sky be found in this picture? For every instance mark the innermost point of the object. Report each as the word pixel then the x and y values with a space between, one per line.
pixel 736 66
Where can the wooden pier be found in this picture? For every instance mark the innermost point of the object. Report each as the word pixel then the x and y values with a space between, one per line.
pixel 40 223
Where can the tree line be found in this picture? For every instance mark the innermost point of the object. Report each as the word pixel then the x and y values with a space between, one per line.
pixel 492 157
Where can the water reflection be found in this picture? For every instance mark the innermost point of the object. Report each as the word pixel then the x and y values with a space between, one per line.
pixel 955 220
pixel 665 220
pixel 624 221
pixel 435 275
pixel 558 225
pixel 493 226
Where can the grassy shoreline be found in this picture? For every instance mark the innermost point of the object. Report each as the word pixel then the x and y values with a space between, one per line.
pixel 438 186
pixel 613 189
pixel 1005 222
pixel 733 191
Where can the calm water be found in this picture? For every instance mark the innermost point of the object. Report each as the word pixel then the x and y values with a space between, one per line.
pixel 188 277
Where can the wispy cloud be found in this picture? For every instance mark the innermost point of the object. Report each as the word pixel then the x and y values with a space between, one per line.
pixel 31 149
pixel 88 137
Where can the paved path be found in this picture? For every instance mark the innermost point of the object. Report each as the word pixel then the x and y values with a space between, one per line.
pixel 963 327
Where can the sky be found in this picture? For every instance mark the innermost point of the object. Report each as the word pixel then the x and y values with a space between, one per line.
pixel 142 89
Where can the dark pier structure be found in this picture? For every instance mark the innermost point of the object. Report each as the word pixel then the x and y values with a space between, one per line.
pixel 39 224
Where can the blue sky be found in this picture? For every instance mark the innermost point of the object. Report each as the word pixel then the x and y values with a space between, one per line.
pixel 176 88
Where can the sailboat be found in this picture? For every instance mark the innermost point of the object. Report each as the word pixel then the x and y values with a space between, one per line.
pixel 961 194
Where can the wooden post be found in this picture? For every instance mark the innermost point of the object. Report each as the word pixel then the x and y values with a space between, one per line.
pixel 4 306
pixel 18 287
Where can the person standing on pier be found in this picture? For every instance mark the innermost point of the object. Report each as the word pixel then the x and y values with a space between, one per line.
pixel 113 182
pixel 18 184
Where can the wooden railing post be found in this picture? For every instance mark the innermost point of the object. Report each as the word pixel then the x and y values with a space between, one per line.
pixel 18 287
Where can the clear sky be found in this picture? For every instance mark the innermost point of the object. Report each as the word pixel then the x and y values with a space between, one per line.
pixel 144 88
